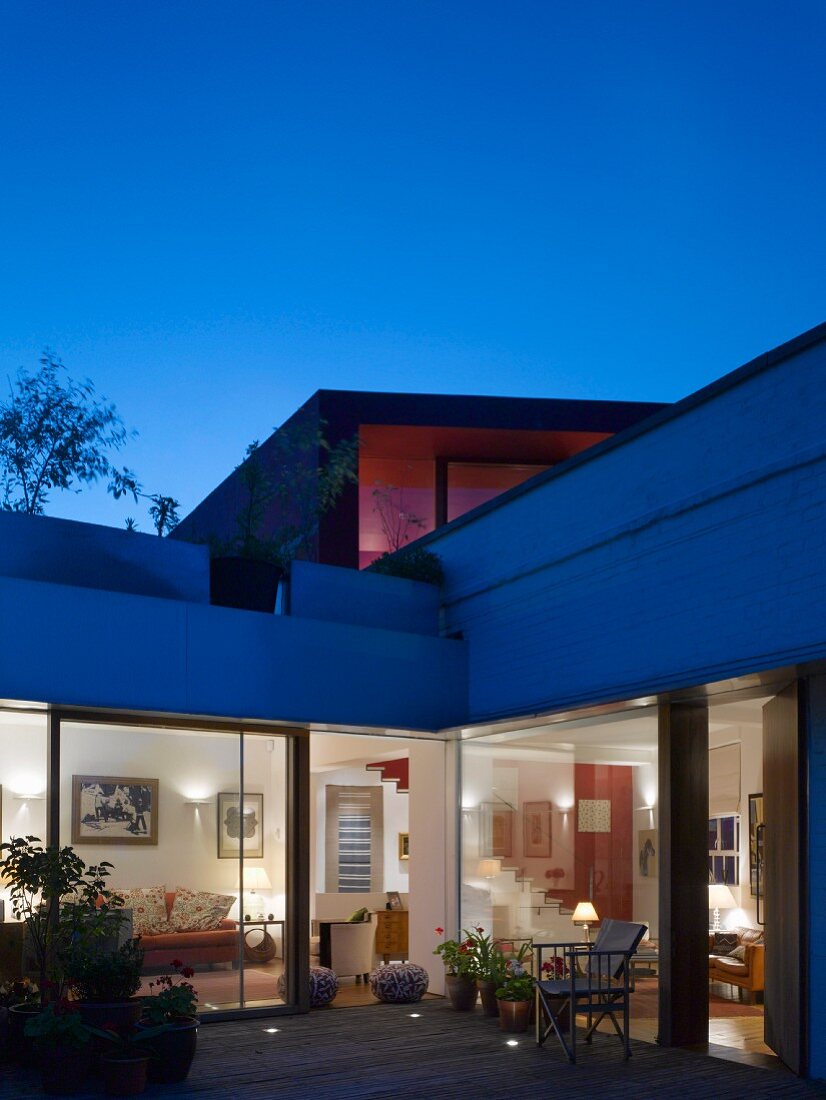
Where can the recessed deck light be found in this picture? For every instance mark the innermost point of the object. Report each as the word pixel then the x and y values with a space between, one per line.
pixel 271 1030
pixel 513 1042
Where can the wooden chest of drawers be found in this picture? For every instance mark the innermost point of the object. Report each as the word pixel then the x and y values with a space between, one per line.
pixel 391 934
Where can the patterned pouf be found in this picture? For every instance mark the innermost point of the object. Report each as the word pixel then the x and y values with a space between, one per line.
pixel 401 985
pixel 323 986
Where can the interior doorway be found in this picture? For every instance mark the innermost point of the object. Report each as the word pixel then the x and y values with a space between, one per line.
pixel 736 917
pixel 360 857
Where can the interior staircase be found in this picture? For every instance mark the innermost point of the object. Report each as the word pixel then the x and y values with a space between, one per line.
pixel 522 911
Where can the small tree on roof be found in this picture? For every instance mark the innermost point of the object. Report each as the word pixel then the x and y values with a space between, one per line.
pixel 55 433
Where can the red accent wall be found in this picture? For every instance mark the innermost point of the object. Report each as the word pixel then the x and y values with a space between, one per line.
pixel 610 854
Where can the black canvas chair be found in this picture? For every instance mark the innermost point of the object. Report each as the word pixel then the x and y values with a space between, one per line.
pixel 594 979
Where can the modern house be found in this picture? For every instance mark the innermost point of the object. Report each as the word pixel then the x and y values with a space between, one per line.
pixel 621 678
pixel 425 457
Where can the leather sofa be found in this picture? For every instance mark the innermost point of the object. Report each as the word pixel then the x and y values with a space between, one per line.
pixel 746 973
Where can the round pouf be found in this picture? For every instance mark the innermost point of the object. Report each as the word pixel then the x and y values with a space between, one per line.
pixel 323 986
pixel 399 985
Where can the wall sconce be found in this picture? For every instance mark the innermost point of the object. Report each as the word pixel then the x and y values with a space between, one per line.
pixel 196 802
pixel 29 797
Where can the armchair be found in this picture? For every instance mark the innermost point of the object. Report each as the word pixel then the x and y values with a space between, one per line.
pixel 347 947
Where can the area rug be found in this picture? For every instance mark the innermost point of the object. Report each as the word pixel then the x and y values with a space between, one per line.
pixel 645 1004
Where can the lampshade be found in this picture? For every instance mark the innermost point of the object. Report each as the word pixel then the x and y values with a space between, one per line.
pixel 256 878
pixel 720 897
pixel 584 912
pixel 489 867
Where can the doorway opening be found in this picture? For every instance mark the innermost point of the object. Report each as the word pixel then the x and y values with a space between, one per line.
pixel 736 916
pixel 360 856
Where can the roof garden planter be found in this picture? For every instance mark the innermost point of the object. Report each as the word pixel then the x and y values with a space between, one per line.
pixel 244 583
pixel 173 1051
pixel 124 1075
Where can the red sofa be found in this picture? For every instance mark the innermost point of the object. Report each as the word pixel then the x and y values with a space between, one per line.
pixel 193 948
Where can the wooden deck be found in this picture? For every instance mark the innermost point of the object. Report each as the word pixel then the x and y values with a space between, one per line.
pixel 384 1051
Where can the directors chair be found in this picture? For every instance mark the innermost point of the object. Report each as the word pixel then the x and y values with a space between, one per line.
pixel 586 978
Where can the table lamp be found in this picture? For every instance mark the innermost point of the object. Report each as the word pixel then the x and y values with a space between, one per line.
pixel 585 914
pixel 719 897
pixel 256 878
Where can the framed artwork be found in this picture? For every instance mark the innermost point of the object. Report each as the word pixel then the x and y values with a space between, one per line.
pixel 394 900
pixel 496 840
pixel 594 815
pixel 111 809
pixel 240 825
pixel 647 851
pixel 755 843
pixel 404 845
pixel 536 826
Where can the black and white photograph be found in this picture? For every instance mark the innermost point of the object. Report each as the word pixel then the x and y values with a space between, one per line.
pixel 110 809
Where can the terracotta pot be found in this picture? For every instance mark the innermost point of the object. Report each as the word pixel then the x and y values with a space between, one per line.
pixel 487 991
pixel 514 1015
pixel 171 1053
pixel 64 1069
pixel 244 583
pixel 124 1076
pixel 461 992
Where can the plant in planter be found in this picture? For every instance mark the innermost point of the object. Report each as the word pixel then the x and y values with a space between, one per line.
pixel 124 1060
pixel 19 1002
pixel 63 1043
pixel 173 1003
pixel 489 968
pixel 105 983
pixel 64 904
pixel 460 971
pixel 300 478
pixel 414 564
pixel 515 997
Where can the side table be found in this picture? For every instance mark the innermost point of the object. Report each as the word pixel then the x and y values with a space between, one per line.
pixel 267 949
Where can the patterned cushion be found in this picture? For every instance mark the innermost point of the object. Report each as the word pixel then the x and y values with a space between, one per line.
pixel 323 986
pixel 751 935
pixel 148 909
pixel 403 984
pixel 197 911
pixel 724 942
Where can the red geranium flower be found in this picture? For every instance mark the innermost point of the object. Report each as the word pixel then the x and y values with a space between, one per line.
pixel 439 931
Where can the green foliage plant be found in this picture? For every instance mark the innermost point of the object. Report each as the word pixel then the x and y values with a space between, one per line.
pixel 304 477
pixel 518 984
pixel 488 960
pixel 58 1024
pixel 55 433
pixel 66 906
pixel 171 999
pixel 106 976
pixel 413 563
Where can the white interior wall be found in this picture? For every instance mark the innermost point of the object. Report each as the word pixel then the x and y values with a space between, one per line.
pixel 22 771
pixel 646 889
pixel 188 765
pixel 750 738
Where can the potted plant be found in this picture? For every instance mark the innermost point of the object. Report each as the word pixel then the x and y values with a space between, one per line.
pixel 460 971
pixel 63 1044
pixel 300 478
pixel 124 1061
pixel 63 903
pixel 515 997
pixel 489 966
pixel 105 984
pixel 172 1005
pixel 19 1001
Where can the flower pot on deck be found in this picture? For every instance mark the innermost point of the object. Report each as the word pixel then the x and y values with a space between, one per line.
pixel 514 1015
pixel 461 992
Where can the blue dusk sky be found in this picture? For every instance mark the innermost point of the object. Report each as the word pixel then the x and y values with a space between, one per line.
pixel 214 209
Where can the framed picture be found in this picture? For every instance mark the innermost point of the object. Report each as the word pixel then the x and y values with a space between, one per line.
pixel 647 852
pixel 394 900
pixel 755 844
pixel 496 824
pixel 240 825
pixel 536 826
pixel 404 845
pixel 113 809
